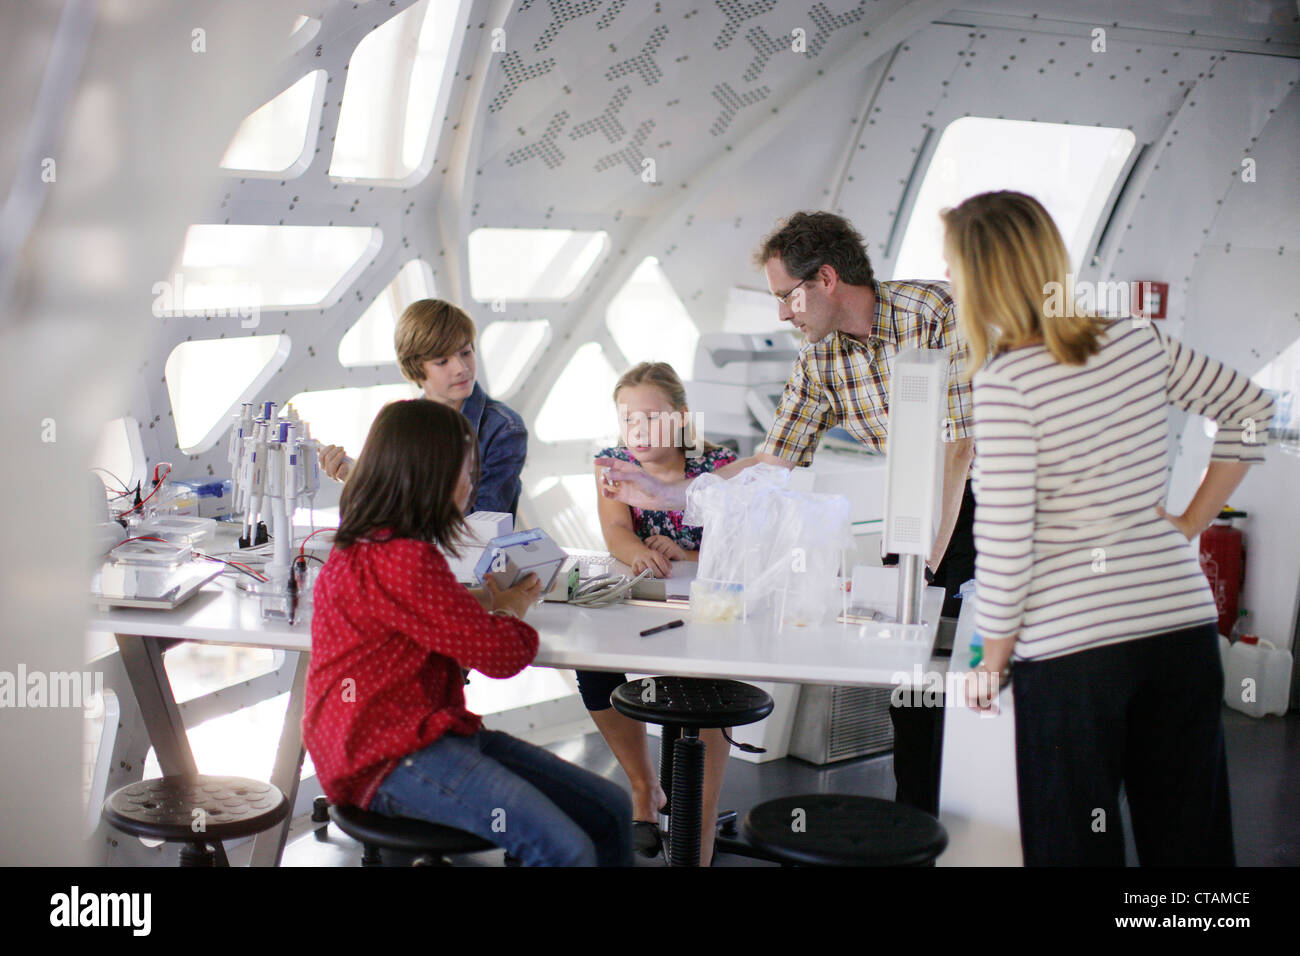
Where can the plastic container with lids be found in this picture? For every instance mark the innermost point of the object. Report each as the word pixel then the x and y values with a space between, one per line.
pixel 1256 677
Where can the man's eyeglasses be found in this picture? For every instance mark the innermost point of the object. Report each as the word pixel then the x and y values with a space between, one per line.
pixel 783 299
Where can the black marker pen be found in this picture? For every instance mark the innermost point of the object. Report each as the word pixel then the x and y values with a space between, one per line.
pixel 662 627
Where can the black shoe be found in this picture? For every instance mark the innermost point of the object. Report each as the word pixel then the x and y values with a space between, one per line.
pixel 646 839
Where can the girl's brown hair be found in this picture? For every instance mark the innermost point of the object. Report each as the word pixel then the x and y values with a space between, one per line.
pixel 405 478
pixel 1009 265
pixel 429 329
pixel 662 376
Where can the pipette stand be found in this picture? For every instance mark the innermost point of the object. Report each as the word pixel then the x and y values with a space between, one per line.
pixel 274 594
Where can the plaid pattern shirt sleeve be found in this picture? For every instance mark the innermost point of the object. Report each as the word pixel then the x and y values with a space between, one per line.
pixel 946 336
pixel 804 413
pixel 909 314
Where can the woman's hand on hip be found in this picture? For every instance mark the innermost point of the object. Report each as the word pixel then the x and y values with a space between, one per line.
pixel 1180 522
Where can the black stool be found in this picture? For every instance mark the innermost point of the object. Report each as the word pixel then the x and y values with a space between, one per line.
pixel 429 843
pixel 683 706
pixel 833 829
pixel 164 809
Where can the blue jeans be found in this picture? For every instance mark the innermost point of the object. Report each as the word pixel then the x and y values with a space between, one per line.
pixel 542 810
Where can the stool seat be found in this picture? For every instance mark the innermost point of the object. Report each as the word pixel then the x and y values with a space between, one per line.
pixel 404 834
pixel 844 830
pixel 684 706
pixel 163 808
pixel 691 702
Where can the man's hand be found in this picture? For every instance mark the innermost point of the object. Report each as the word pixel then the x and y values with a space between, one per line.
pixel 633 485
pixel 335 462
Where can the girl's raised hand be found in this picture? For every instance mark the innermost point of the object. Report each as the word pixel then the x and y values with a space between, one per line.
pixel 335 462
pixel 667 547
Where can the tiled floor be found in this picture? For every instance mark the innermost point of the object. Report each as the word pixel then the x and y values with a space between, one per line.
pixel 1263 760
pixel 1264 776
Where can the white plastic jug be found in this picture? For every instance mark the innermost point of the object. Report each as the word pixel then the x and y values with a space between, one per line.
pixel 1257 677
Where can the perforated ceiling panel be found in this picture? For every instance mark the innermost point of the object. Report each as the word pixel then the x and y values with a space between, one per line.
pixel 948 72
pixel 697 125
pixel 684 130
pixel 641 96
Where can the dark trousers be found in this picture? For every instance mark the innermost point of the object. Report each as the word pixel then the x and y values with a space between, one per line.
pixel 597 686
pixel 918 730
pixel 1144 713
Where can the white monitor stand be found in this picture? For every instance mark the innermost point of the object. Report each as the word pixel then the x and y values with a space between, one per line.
pixel 914 469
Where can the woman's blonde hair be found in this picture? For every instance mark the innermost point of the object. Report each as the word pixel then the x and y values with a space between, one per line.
pixel 429 329
pixel 1009 270
pixel 662 376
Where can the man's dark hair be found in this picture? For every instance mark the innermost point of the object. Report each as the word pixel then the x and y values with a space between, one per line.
pixel 404 480
pixel 809 240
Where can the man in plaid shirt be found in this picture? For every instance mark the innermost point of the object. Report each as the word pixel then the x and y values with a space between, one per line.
pixel 818 270
pixel 820 275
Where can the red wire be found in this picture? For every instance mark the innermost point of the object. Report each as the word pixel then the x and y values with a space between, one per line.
pixel 303 549
pixel 157 483
pixel 209 557
pixel 233 564
pixel 244 567
pixel 143 537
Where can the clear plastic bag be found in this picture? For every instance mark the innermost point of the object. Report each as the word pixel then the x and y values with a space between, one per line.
pixel 766 549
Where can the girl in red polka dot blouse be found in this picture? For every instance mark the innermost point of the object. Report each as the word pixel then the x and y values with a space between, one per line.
pixel 385 721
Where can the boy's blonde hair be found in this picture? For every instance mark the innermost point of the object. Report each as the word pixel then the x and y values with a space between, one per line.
pixel 430 329
pixel 1004 255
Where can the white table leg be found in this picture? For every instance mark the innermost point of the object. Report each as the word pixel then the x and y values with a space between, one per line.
pixel 268 846
pixel 142 658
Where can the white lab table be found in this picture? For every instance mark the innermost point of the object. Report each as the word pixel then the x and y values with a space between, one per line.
pixel 593 639
pixel 978 800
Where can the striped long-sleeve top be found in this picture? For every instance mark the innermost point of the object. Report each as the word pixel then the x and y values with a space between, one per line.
pixel 1070 463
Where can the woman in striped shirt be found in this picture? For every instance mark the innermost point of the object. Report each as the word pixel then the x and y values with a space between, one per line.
pixel 1083 579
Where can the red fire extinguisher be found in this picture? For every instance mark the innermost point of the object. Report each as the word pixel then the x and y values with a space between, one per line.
pixel 1223 557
